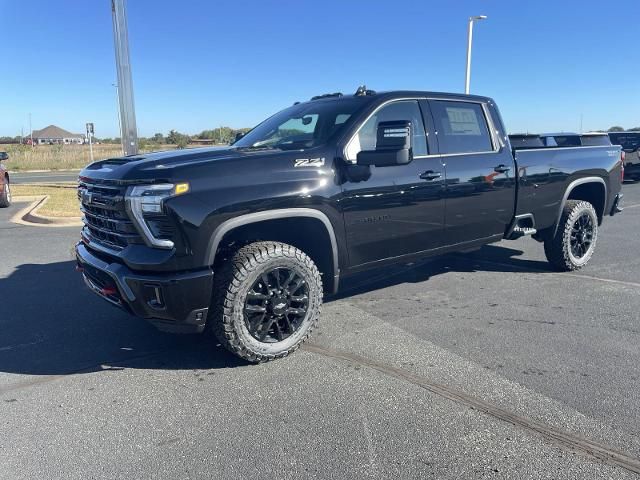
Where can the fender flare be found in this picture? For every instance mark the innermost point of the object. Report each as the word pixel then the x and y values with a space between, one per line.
pixel 233 223
pixel 569 189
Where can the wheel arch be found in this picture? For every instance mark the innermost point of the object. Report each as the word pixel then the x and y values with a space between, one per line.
pixel 590 189
pixel 319 240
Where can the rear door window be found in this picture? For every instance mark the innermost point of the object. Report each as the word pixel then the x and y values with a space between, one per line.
pixel 461 126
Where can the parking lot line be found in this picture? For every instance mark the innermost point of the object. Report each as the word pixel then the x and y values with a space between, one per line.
pixel 565 440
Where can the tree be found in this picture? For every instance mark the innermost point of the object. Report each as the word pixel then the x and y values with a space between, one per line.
pixel 222 135
pixel 158 138
pixel 177 138
pixel 634 129
pixel 616 129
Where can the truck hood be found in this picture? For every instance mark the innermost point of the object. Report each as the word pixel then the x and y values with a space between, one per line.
pixel 160 165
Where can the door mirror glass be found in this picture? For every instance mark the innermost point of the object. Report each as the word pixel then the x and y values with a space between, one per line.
pixel 3 156
pixel 393 145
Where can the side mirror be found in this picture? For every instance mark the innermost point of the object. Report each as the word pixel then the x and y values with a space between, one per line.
pixel 239 135
pixel 393 145
pixel 4 156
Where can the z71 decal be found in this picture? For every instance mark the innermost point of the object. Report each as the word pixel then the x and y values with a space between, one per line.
pixel 309 162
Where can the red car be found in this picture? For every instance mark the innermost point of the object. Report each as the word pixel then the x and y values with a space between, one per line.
pixel 5 191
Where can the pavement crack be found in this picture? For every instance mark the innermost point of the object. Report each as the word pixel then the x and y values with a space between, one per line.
pixel 565 440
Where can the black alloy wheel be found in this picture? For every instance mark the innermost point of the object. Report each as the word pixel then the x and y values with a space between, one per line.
pixel 276 305
pixel 582 235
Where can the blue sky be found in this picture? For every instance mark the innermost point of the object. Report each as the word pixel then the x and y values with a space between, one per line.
pixel 200 64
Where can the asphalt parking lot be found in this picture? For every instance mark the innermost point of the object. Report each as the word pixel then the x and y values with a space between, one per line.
pixel 484 364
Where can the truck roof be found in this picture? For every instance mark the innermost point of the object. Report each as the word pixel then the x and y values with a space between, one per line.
pixel 391 94
pixel 560 134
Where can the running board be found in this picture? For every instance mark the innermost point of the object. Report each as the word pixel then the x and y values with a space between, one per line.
pixel 522 225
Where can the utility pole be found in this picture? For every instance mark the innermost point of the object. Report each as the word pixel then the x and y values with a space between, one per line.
pixel 128 128
pixel 467 77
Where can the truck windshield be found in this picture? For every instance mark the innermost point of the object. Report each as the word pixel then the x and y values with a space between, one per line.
pixel 567 140
pixel 595 140
pixel 302 126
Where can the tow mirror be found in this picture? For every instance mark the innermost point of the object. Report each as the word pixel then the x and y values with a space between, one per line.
pixel 3 156
pixel 393 145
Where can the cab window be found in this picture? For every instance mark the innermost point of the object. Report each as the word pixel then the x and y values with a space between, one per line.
pixel 365 138
pixel 461 126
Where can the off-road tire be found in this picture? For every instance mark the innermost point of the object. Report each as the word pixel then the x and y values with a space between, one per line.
pixel 557 248
pixel 5 196
pixel 233 280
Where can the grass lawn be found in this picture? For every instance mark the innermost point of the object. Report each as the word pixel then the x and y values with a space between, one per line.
pixel 65 157
pixel 62 202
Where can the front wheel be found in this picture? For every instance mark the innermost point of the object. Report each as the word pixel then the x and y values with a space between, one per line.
pixel 267 300
pixel 575 239
pixel 5 196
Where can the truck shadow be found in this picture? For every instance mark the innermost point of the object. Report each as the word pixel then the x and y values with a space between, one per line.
pixel 489 258
pixel 50 324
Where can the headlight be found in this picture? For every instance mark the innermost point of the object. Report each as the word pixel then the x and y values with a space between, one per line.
pixel 148 199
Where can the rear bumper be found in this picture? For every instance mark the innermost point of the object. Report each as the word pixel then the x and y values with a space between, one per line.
pixel 174 302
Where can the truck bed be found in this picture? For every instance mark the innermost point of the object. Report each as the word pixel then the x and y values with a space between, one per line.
pixel 546 173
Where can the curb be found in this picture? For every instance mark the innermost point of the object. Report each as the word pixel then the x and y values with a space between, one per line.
pixel 29 215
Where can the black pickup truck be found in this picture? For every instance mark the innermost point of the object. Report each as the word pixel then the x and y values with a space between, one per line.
pixel 244 241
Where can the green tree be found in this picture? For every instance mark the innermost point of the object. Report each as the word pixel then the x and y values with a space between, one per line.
pixel 634 129
pixel 616 129
pixel 177 138
pixel 158 138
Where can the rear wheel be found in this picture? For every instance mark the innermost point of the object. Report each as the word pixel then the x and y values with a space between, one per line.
pixel 573 244
pixel 5 196
pixel 267 301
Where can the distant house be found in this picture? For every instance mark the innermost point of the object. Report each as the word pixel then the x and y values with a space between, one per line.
pixel 56 135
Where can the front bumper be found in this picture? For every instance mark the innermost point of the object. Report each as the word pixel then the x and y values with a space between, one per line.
pixel 174 302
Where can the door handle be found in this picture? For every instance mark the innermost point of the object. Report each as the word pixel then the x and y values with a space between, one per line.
pixel 430 175
pixel 502 168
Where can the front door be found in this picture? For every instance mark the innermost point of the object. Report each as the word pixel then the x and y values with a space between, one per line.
pixel 399 209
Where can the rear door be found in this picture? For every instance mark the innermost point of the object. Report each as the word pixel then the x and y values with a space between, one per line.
pixel 480 185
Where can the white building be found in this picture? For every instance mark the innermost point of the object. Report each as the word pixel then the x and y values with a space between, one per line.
pixel 56 135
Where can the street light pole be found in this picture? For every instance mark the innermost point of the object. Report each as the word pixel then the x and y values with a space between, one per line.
pixel 118 110
pixel 129 131
pixel 467 79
